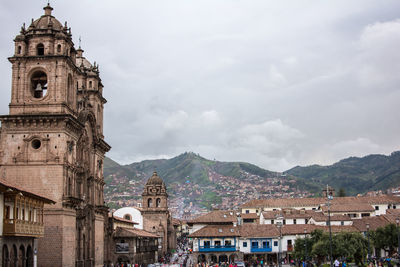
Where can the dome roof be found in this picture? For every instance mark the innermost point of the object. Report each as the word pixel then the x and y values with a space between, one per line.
pixel 155 180
pixel 47 20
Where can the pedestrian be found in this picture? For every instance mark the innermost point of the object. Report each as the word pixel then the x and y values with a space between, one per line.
pixel 336 263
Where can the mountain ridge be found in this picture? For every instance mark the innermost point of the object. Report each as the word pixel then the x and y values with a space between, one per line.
pixel 211 183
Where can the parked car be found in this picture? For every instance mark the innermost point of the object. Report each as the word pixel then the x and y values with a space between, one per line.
pixel 239 264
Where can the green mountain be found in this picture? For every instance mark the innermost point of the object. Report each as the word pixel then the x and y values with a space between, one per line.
pixel 183 167
pixel 192 179
pixel 355 175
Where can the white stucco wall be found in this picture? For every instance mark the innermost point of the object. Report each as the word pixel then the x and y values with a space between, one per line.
pixel 135 214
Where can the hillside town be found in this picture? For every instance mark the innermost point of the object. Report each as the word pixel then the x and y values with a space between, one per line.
pixel 223 192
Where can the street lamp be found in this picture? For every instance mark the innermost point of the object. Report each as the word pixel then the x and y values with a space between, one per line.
pixel 398 238
pixel 279 224
pixel 305 244
pixel 369 251
pixel 329 198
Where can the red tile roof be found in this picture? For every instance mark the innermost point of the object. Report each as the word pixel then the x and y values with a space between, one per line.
pixel 12 186
pixel 133 232
pixel 216 217
pixel 217 231
pixel 249 215
pixel 298 229
pixel 307 202
pixel 374 223
pixel 288 214
pixel 124 220
pixel 323 218
pixel 259 230
pixel 349 207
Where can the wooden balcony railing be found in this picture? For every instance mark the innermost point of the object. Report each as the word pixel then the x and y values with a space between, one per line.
pixel 17 227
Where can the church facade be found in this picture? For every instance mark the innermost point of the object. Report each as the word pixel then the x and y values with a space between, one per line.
pixel 52 140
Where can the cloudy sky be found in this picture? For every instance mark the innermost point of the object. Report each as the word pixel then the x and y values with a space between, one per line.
pixel 275 83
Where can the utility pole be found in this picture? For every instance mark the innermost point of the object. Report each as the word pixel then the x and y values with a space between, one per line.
pixel 329 197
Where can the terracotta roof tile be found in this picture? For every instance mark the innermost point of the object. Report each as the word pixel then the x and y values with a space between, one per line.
pixel 391 218
pixel 133 232
pixel 216 217
pixel 393 211
pixel 298 229
pixel 249 216
pixel 217 231
pixel 281 202
pixel 345 207
pixel 124 220
pixel 27 192
pixel 259 230
pixel 307 202
pixel 288 214
pixel 374 223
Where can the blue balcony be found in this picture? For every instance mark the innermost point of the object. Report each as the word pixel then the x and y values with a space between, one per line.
pixel 260 245
pixel 261 249
pixel 217 248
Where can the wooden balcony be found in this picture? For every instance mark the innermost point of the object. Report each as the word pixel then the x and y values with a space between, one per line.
pixel 22 228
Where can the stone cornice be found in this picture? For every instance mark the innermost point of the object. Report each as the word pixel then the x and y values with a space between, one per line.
pixel 46 121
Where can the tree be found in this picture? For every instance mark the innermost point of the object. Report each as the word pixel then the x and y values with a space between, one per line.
pixel 351 246
pixel 342 192
pixel 385 238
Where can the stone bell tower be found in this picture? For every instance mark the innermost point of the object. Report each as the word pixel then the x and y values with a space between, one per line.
pixel 156 216
pixel 52 140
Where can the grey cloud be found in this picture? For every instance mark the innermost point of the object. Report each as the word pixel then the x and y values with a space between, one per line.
pixel 275 83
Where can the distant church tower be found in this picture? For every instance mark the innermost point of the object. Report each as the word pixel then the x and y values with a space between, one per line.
pixel 156 217
pixel 52 140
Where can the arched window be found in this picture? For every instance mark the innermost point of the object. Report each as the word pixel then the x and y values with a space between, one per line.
pixel 90 84
pixel 58 48
pixel 39 84
pixel 158 202
pixel 40 49
pixel 21 255
pixel 19 50
pixel 6 256
pixel 149 202
pixel 127 217
pixel 13 256
pixel 29 256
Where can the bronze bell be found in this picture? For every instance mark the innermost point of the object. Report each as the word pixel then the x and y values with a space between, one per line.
pixel 38 88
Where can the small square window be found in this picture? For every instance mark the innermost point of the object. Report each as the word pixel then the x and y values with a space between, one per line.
pixel 376 207
pixel 275 243
pixel 245 244
pixel 247 211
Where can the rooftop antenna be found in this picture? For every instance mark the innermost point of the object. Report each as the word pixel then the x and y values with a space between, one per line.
pixel 79 42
